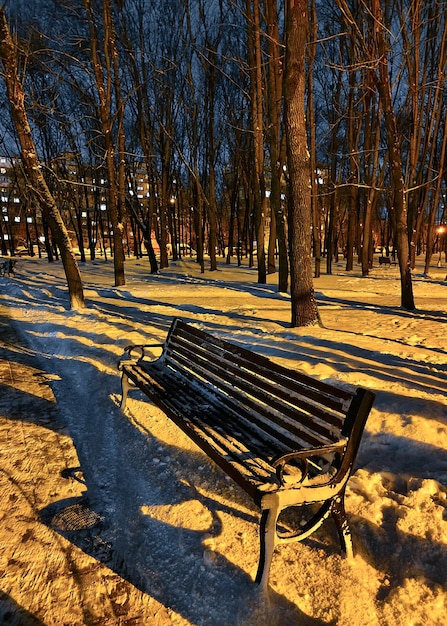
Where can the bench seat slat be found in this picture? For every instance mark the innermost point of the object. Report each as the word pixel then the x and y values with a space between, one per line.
pixel 254 468
pixel 260 365
pixel 227 437
pixel 232 417
pixel 267 384
pixel 277 410
pixel 290 433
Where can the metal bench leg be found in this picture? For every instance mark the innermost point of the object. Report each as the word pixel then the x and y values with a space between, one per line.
pixel 125 386
pixel 269 540
pixel 344 532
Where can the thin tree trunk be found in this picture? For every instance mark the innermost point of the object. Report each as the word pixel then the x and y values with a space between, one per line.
pixel 103 78
pixel 396 170
pixel 353 194
pixel 316 230
pixel 258 135
pixel 210 72
pixel 435 203
pixel 278 216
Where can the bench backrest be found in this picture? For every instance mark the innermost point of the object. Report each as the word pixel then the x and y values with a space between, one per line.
pixel 285 406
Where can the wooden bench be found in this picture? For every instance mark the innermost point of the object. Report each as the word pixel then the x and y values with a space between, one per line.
pixel 7 266
pixel 384 260
pixel 288 440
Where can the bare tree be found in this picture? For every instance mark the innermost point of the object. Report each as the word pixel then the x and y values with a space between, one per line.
pixel 304 306
pixel 316 221
pixel 275 142
pixel 424 34
pixel 395 156
pixel 373 52
pixel 107 84
pixel 256 103
pixel 43 196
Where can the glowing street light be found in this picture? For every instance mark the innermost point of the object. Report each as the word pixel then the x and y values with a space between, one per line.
pixel 440 230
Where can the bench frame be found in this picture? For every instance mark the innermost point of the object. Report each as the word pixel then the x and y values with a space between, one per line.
pixel 272 495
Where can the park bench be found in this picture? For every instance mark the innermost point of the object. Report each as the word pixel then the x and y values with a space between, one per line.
pixel 7 266
pixel 288 440
pixel 384 260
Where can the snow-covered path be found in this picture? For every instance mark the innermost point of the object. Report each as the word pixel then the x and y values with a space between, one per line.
pixel 180 537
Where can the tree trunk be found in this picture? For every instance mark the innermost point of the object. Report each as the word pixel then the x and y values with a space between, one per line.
pixel 103 79
pixel 435 204
pixel 278 216
pixel 316 219
pixel 372 135
pixel 258 182
pixel 333 198
pixel 304 306
pixel 353 194
pixel 31 166
pixel 396 170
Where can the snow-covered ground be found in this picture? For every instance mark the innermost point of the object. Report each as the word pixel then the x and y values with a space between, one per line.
pixel 171 523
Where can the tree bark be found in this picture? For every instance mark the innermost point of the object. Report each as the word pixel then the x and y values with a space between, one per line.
pixel 353 195
pixel 304 306
pixel 31 166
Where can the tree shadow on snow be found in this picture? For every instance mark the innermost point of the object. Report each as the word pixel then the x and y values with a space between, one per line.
pixel 161 556
pixel 25 391
pixel 385 452
pixel 12 614
pixel 385 309
pixel 400 556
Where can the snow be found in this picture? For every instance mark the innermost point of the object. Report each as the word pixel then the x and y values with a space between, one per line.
pixel 172 525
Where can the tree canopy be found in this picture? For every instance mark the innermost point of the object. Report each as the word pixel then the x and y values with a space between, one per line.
pixel 162 128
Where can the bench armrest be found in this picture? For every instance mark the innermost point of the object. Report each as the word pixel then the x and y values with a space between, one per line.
pixel 143 350
pixel 302 458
